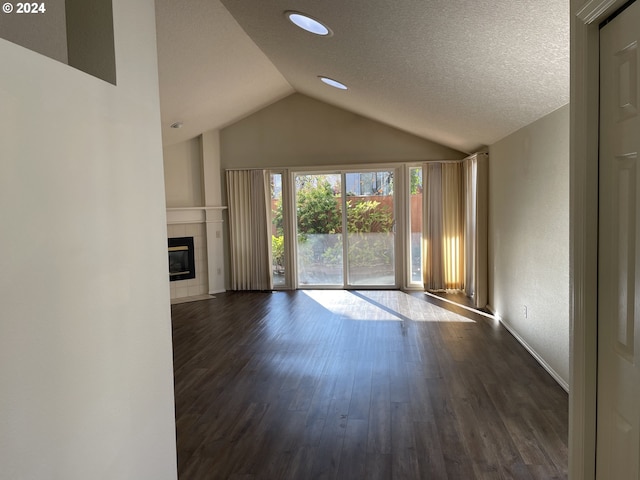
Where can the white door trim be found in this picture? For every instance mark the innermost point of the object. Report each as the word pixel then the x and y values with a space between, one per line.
pixel 585 45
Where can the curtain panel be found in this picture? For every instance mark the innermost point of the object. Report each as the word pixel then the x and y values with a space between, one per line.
pixel 476 170
pixel 455 227
pixel 249 235
pixel 444 226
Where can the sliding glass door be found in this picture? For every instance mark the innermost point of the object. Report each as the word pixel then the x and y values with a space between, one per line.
pixel 345 229
pixel 319 229
pixel 370 228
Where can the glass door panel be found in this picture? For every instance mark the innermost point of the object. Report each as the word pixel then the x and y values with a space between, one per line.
pixel 415 224
pixel 319 230
pixel 370 228
pixel 278 273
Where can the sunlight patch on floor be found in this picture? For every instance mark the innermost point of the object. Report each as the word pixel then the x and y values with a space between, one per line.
pixel 382 305
pixel 346 304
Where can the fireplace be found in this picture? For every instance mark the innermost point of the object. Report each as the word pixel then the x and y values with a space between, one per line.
pixel 181 259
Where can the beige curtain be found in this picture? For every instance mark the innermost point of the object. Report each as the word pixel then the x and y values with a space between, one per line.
pixel 444 226
pixel 476 241
pixel 249 237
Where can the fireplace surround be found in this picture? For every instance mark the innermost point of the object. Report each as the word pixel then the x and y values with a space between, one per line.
pixel 205 225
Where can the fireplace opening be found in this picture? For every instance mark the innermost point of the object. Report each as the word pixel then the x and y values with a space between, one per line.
pixel 181 259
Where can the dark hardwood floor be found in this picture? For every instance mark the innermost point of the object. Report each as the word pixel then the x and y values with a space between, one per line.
pixel 359 385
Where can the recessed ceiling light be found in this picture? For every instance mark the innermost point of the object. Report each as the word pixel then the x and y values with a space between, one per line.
pixel 307 23
pixel 176 125
pixel 333 83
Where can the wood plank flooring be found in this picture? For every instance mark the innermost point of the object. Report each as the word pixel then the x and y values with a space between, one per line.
pixel 359 385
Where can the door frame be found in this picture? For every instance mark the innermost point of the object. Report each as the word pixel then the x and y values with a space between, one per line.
pixel 585 19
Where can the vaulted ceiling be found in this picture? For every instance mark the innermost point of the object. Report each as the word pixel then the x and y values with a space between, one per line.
pixel 463 73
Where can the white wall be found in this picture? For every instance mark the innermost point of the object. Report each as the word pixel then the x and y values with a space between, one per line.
pixel 529 237
pixel 211 175
pixel 183 174
pixel 85 332
pixel 300 131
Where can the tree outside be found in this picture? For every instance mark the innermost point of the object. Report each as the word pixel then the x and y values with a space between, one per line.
pixel 370 224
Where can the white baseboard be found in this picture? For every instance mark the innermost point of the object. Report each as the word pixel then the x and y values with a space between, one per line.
pixel 195 298
pixel 529 349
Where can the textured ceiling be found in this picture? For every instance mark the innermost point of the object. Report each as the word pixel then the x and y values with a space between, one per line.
pixel 211 73
pixel 462 73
